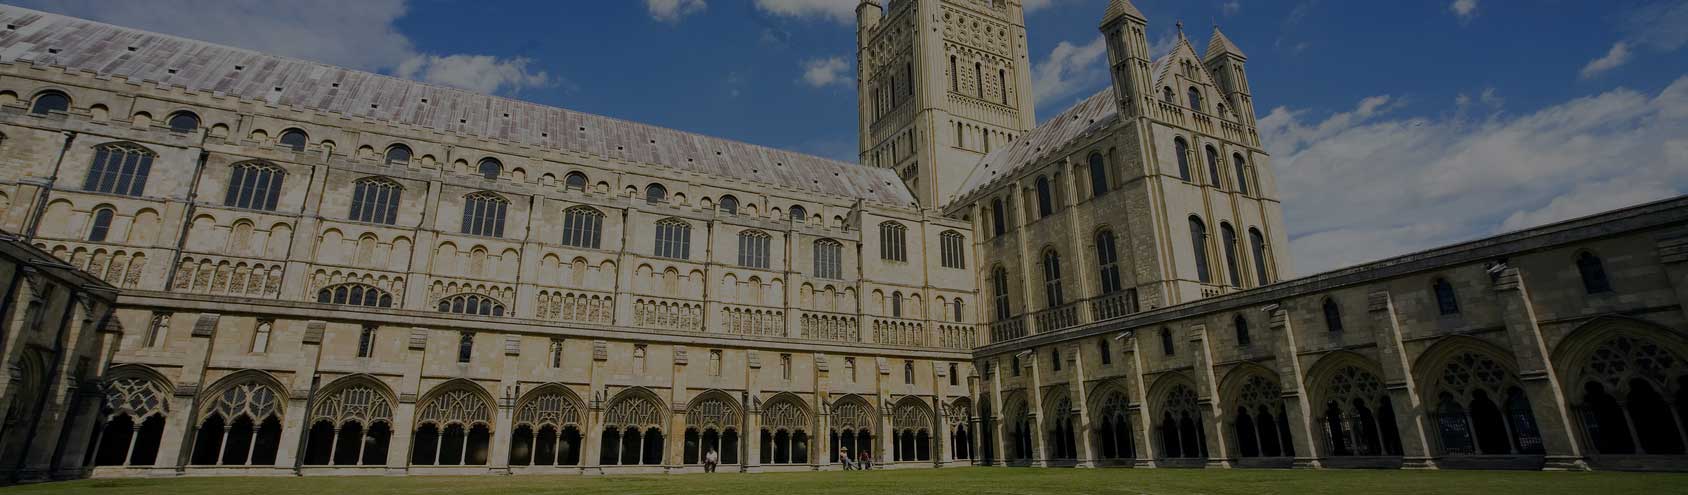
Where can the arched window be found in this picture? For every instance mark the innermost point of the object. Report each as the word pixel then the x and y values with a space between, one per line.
pixel 753 249
pixel 1198 244
pixel 1182 148
pixel 1446 303
pixel 583 227
pixel 1228 237
pixel 959 310
pixel 183 121
pixel 1257 244
pixel 897 304
pixel 50 101
pixel 893 241
pixel 1242 172
pixel 999 223
pixel 355 295
pixel 255 186
pixel 293 139
pixel 465 346
pixel 829 262
pixel 955 76
pixel 728 205
pixel 1002 84
pixel 1166 94
pixel 1045 200
pixel 376 200
pixel 951 250
pixel 119 168
pixel 471 304
pixel 1333 316
pixel 489 168
pixel 1593 273
pixel 575 181
pixel 999 293
pixel 1052 279
pixel 1195 99
pixel 979 79
pixel 798 214
pixel 1241 325
pixel 1213 167
pixel 398 154
pixel 1108 259
pixel 673 239
pixel 101 225
pixel 1098 175
pixel 483 214
pixel 1166 342
pixel 656 194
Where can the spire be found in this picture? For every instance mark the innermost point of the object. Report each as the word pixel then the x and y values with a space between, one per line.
pixel 1121 8
pixel 1220 45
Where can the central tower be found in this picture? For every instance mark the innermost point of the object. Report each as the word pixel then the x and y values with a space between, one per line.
pixel 940 83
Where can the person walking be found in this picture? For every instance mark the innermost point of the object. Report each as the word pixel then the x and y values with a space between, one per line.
pixel 844 455
pixel 710 460
pixel 867 461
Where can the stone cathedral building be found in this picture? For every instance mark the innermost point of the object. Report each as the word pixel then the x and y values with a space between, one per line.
pixel 225 262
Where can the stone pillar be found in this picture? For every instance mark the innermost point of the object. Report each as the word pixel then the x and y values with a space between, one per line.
pixel 678 403
pixel 998 433
pixel 940 438
pixel 1143 427
pixel 1082 426
pixel 304 383
pixel 60 395
pixel 591 452
pixel 1536 372
pixel 751 457
pixel 1293 384
pixel 1211 403
pixel 1035 412
pixel 1413 423
pixel 504 429
pixel 404 413
pixel 176 446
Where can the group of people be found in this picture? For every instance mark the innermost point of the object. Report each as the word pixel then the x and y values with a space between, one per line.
pixel 711 459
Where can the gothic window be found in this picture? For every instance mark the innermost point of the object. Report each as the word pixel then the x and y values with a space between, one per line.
pixel 1195 99
pixel 50 101
pixel 293 139
pixel 850 368
pixel 398 154
pixel 1166 342
pixel 1213 167
pixel 798 214
pixel 1262 429
pixel 465 346
pixel 1242 172
pixel 1102 349
pixel 1198 243
pixel 829 259
pixel 1098 175
pixel 1446 303
pixel 1333 316
pixel 366 341
pixel 1055 358
pixel 158 329
pixel 1166 94
pixel 897 304
pixel 1358 418
pixel 979 79
pixel 959 310
pixel 955 76
pixel 1052 279
pixel 715 362
pixel 1228 239
pixel 261 336
pixel 1015 364
pixel 954 375
pixel 489 168
pixel 254 186
pixel 575 181
pixel 452 428
pixel 101 225
pixel 556 353
pixel 583 227
pixel 639 359
pixel 471 304
pixel 951 250
pixel 350 425
pixel 1045 199
pixel 356 295
pixel 1181 431
pixel 134 411
pixel 239 425
pixel 1240 324
pixel 673 239
pixel 785 366
pixel 1107 257
pixel 908 372
pixel 1593 273
pixel 999 293
pixel 183 121
pixel 728 205
pixel 1002 84
pixel 999 223
pixel 893 244
pixel 656 194
pixel 376 200
pixel 1474 409
pixel 753 249
pixel 1182 148
pixel 1257 244
pixel 483 214
pixel 119 168
pixel 1631 386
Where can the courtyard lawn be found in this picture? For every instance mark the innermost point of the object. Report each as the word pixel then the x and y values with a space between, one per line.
pixel 958 480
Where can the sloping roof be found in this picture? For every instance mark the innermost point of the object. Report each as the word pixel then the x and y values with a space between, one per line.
pixel 1119 8
pixel 1094 112
pixel 82 45
pixel 1219 44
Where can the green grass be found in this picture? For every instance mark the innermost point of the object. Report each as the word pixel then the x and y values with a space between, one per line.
pixel 958 480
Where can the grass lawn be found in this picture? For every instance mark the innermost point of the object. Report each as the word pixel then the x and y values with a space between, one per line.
pixel 958 480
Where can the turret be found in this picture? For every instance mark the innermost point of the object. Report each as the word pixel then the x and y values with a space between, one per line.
pixel 1225 61
pixel 1126 31
pixel 868 13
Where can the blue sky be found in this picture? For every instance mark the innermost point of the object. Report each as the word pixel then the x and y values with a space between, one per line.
pixel 1394 126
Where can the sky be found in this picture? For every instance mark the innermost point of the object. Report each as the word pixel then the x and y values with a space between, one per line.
pixel 1393 126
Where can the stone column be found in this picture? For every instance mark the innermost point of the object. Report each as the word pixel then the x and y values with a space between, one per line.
pixel 940 438
pixel 176 446
pixel 591 453
pixel 304 383
pixel 59 395
pixel 404 412
pixel 998 433
pixel 1413 423
pixel 1536 372
pixel 1082 428
pixel 1143 428
pixel 504 429
pixel 1035 412
pixel 1293 383
pixel 751 458
pixel 1211 403
pixel 822 436
pixel 678 401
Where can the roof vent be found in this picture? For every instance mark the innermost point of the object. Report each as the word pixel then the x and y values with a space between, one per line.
pixel 583 129
pixel 11 26
pixel 278 88
pixel 172 71
pixel 544 134
pixel 506 116
pixel 462 121
pixel 132 48
pixel 424 100
pixel 52 50
pixel 374 105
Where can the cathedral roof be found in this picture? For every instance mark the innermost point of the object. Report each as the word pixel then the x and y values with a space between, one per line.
pixel 1120 8
pixel 1094 112
pixel 167 61
pixel 1219 44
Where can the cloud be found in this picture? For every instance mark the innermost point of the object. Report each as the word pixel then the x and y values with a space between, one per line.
pixel 478 73
pixel 1068 70
pixel 1231 7
pixel 823 72
pixel 1465 10
pixel 840 11
pixel 671 11
pixel 1036 5
pixel 359 35
pixel 1617 56
pixel 1366 184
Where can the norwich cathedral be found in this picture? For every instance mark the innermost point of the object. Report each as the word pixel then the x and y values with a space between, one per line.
pixel 216 261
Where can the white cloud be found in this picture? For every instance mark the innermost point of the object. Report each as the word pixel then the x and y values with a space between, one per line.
pixel 478 73
pixel 359 34
pixel 824 72
pixel 1036 5
pixel 671 11
pixel 841 11
pixel 1617 56
pixel 1365 184
pixel 1069 69
pixel 1465 10
pixel 1231 7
